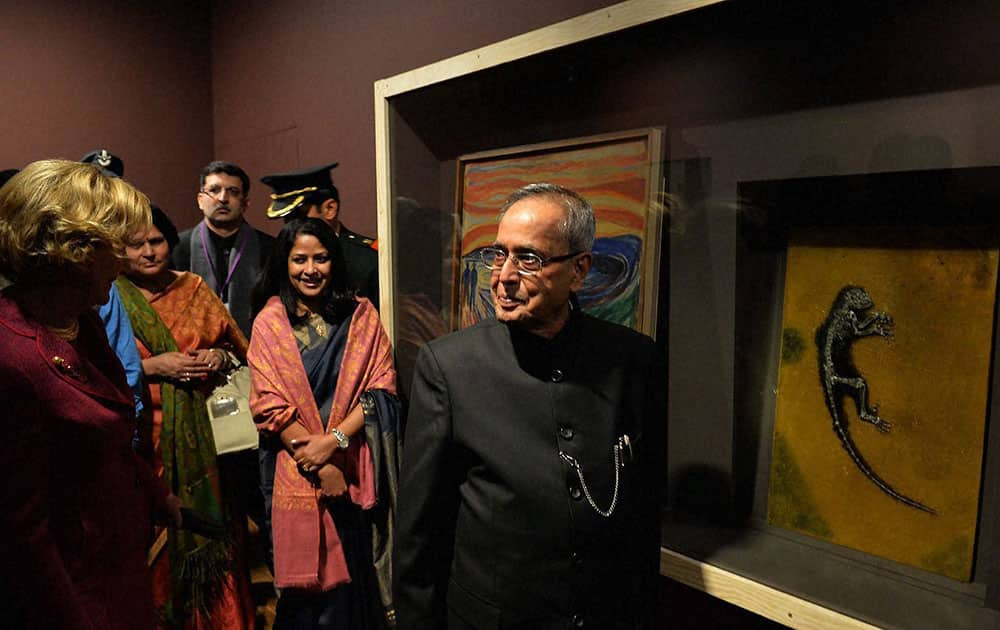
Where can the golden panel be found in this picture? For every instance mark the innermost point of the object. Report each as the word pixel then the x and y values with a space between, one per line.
pixel 929 378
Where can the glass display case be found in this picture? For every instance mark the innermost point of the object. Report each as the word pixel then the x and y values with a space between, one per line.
pixel 801 150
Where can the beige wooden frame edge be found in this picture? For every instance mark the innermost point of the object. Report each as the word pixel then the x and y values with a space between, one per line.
pixel 761 599
pixel 383 218
pixel 587 26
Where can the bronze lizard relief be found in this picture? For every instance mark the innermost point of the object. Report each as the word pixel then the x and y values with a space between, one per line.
pixel 848 320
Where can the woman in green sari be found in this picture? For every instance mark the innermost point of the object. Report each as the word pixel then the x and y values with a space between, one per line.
pixel 186 338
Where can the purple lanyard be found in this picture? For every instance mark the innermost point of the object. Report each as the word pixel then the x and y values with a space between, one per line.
pixel 221 290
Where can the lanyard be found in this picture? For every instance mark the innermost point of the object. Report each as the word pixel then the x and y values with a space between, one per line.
pixel 221 289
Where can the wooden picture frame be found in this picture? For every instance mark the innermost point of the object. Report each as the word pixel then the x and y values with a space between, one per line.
pixel 620 174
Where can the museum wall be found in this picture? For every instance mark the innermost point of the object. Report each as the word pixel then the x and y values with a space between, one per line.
pixel 293 82
pixel 271 86
pixel 130 76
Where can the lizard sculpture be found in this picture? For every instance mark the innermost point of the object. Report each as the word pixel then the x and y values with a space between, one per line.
pixel 848 319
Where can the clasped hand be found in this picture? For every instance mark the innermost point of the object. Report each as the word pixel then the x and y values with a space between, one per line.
pixel 171 514
pixel 313 453
pixel 185 366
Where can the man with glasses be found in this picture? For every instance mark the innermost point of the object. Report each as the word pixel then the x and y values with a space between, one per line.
pixel 534 452
pixel 223 248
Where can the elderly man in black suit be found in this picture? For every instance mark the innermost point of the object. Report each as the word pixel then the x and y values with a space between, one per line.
pixel 534 449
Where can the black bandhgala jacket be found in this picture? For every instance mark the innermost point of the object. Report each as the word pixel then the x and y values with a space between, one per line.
pixel 495 528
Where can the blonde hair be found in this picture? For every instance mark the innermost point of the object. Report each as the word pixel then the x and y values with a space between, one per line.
pixel 56 212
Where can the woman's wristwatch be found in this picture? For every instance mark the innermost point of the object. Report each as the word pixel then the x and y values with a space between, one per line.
pixel 342 440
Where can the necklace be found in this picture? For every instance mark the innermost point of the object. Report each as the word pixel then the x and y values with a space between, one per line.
pixel 69 333
pixel 317 322
pixel 39 309
pixel 313 319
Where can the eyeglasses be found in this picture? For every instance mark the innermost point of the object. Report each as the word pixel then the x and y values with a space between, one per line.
pixel 215 191
pixel 527 264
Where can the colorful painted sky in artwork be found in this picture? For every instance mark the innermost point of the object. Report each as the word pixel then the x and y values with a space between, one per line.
pixel 614 176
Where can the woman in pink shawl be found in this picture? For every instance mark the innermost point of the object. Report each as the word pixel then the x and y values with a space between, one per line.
pixel 324 399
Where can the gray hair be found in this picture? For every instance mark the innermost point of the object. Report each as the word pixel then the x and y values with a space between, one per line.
pixel 578 227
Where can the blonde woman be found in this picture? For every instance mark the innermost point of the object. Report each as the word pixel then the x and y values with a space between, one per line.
pixel 78 502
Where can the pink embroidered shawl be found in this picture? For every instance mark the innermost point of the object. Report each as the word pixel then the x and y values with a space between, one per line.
pixel 307 550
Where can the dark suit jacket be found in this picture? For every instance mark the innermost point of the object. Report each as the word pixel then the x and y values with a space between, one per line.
pixel 361 262
pixel 77 501
pixel 245 275
pixel 495 529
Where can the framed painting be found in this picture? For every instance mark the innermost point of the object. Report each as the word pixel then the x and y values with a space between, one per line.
pixel 620 174
pixel 883 386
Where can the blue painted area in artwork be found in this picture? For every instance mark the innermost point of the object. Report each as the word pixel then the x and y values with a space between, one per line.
pixel 610 291
pixel 615 269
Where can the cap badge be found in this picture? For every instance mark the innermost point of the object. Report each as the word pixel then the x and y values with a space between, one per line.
pixel 103 158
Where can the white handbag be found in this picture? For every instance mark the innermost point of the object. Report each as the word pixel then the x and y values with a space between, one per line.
pixel 229 412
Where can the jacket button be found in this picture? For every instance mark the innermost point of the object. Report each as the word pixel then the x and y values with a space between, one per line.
pixel 577 559
pixel 574 492
pixel 578 621
pixel 556 376
pixel 566 433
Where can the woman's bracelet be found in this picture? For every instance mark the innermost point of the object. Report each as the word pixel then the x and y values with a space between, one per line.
pixel 221 356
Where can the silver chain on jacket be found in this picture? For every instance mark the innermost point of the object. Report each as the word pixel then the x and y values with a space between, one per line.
pixel 621 444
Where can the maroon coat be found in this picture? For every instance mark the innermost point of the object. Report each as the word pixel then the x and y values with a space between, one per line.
pixel 76 500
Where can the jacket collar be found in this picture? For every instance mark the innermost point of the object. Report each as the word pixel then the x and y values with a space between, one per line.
pixel 64 360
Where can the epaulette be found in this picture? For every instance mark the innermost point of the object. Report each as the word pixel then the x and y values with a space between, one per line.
pixel 362 240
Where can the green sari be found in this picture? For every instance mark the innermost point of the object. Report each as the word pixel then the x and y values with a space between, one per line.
pixel 198 565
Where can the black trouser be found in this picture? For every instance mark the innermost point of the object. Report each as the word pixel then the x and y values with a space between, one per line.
pixel 267 456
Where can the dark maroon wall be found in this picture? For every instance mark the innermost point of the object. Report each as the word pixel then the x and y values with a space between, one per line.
pixel 294 80
pixel 131 76
pixel 269 85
